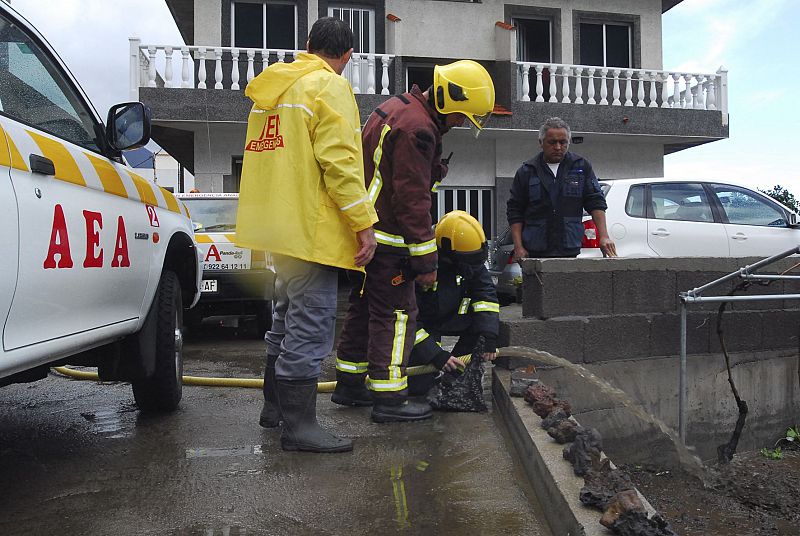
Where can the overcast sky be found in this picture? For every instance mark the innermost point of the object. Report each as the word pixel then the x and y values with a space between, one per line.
pixel 756 40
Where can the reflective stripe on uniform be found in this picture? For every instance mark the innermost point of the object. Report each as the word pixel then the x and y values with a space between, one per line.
pixel 464 307
pixel 420 336
pixel 397 241
pixel 423 248
pixel 351 367
pixel 435 186
pixel 398 344
pixel 387 385
pixel 486 306
pixel 458 280
pixel 354 203
pixel 377 179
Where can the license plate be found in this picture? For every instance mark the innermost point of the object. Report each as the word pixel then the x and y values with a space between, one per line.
pixel 209 285
pixel 494 280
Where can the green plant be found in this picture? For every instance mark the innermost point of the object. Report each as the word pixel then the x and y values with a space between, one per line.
pixel 772 454
pixel 792 436
pixel 781 194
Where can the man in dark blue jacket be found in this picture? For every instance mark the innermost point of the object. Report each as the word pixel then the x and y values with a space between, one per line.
pixel 548 197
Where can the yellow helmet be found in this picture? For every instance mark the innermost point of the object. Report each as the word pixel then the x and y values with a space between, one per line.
pixel 461 237
pixel 464 87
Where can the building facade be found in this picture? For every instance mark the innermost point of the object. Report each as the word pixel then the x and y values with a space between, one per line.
pixel 595 63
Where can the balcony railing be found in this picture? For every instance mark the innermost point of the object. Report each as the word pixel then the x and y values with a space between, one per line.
pixel 231 68
pixel 608 86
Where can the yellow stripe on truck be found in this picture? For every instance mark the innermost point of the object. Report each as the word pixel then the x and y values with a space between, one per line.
pixel 7 146
pixel 109 178
pixel 146 193
pixel 172 202
pixel 66 168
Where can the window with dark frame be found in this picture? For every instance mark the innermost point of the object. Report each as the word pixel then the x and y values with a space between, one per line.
pixel 605 44
pixel 264 25
pixel 534 40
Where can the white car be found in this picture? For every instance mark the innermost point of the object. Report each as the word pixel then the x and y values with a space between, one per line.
pixel 99 262
pixel 672 218
pixel 692 218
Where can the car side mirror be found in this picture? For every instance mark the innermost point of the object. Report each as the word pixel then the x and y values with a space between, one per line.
pixel 793 222
pixel 128 126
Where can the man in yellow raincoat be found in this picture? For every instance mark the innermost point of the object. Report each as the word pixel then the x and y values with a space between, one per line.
pixel 303 200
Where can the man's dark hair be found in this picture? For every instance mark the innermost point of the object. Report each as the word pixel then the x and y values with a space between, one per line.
pixel 331 37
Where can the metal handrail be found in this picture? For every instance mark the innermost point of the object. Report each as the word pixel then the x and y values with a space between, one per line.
pixel 694 296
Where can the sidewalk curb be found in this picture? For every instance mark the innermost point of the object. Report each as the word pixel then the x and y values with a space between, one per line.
pixel 551 477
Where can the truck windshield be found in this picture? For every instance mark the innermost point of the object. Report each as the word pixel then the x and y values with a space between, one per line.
pixel 212 215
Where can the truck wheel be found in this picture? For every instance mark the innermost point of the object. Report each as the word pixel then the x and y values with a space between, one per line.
pixel 263 321
pixel 163 390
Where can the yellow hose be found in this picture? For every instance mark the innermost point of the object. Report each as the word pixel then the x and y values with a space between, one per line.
pixel 252 383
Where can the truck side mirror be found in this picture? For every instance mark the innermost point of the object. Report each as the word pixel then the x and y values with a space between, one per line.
pixel 128 126
pixel 793 220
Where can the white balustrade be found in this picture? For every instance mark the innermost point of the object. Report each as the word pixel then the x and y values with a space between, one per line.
pixel 623 87
pixel 155 66
pixel 526 87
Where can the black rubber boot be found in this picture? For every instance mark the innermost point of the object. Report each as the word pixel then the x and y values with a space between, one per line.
pixel 404 412
pixel 351 395
pixel 297 401
pixel 270 416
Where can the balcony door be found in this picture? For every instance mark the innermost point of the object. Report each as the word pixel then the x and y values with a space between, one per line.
pixel 362 22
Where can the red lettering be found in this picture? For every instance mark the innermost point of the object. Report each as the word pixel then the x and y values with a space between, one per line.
pixel 94 255
pixel 59 242
pixel 273 123
pixel 121 247
pixel 213 251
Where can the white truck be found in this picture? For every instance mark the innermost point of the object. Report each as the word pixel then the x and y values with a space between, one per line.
pixel 98 262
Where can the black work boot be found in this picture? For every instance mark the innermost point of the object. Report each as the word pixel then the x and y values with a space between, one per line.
pixel 351 395
pixel 270 416
pixel 297 402
pixel 404 411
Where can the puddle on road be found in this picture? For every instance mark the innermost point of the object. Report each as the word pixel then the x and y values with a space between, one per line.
pixel 205 452
pixel 200 530
pixel 107 423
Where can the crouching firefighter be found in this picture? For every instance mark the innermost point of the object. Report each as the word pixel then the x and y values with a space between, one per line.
pixel 462 303
pixel 402 143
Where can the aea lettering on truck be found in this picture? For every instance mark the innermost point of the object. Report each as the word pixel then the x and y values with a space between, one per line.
pixel 213 251
pixel 270 138
pixel 93 258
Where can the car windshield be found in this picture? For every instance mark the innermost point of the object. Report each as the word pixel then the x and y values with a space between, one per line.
pixel 213 214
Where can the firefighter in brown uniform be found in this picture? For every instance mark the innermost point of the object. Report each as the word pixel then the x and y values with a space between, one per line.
pixel 402 143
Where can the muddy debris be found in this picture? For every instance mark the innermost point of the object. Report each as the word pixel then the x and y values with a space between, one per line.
pixel 543 400
pixel 521 380
pixel 602 486
pixel 633 523
pixel 558 414
pixel 462 392
pixel 621 503
pixel 584 452
pixel 564 431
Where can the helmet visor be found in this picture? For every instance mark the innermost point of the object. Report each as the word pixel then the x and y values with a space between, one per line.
pixel 478 122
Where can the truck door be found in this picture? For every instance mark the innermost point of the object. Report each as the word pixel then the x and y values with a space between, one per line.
pixel 9 243
pixel 84 234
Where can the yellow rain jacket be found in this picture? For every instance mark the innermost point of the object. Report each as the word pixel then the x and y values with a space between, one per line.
pixel 302 188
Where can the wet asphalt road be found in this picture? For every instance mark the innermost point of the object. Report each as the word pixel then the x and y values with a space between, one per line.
pixel 76 457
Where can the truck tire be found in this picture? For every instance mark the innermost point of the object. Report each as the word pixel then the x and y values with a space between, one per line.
pixel 162 391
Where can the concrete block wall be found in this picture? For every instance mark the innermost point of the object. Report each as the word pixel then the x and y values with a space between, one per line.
pixel 591 310
pixel 619 319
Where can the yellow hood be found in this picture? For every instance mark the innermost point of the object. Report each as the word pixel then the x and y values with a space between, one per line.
pixel 265 90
